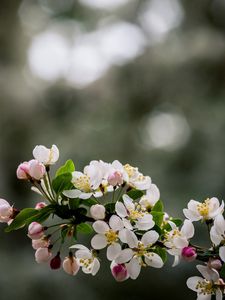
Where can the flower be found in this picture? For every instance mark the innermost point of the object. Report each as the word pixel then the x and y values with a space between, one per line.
pixel 152 196
pixel 45 155
pixel 35 231
pixel 97 211
pixel 140 252
pixel 133 215
pixel 214 263
pixel 176 240
pixel 40 243
pixel 189 253
pixel 40 205
pixel 210 285
pixel 217 232
pixel 119 271
pixel 42 255
pixel 86 259
pixel 108 235
pixel 70 265
pixel 6 211
pixel 31 169
pixel 136 179
pixel 22 171
pixel 117 174
pixel 207 210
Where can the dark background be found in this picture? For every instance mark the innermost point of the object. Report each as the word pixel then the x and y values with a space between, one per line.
pixel 139 81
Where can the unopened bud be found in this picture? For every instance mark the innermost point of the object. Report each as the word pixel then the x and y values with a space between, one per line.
pixel 6 211
pixel 189 253
pixel 55 262
pixel 22 171
pixel 70 265
pixel 119 272
pixel 36 169
pixel 97 211
pixel 35 231
pixel 40 205
pixel 214 263
pixel 41 243
pixel 42 255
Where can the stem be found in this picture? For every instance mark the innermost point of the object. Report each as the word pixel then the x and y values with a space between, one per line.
pixel 40 188
pixel 50 183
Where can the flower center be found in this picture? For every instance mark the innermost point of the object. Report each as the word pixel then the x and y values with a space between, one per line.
pixel 203 208
pixel 86 262
pixel 82 183
pixel 130 170
pixel 205 287
pixel 135 214
pixel 111 236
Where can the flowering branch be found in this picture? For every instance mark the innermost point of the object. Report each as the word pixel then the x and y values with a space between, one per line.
pixel 121 210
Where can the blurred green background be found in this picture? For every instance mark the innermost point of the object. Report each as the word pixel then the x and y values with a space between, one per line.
pixel 139 81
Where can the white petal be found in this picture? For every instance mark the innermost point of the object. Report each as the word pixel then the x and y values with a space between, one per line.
pixel 204 297
pixel 132 239
pixel 145 223
pixel 100 226
pixel 99 241
pixel 85 195
pixel 79 246
pixel 180 242
pixel 222 253
pixel 133 268
pixel 193 205
pixel 176 260
pixel 127 224
pixel 153 260
pixel 207 273
pixel 215 237
pixel 113 251
pixel 128 202
pixel 85 254
pixel 125 256
pixel 219 224
pixel 121 210
pixel 219 295
pixel 188 229
pixel 116 223
pixel 150 237
pixel 72 193
pixel 193 281
pixel 96 266
pixel 191 215
pixel 153 194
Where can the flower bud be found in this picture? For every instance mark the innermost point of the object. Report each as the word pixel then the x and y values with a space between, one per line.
pixel 70 265
pixel 97 211
pixel 214 263
pixel 22 171
pixel 115 179
pixel 6 211
pixel 45 155
pixel 41 243
pixel 55 262
pixel 189 253
pixel 42 255
pixel 40 205
pixel 36 169
pixel 119 272
pixel 35 231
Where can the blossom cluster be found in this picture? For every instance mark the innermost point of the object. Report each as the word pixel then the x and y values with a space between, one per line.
pixel 120 209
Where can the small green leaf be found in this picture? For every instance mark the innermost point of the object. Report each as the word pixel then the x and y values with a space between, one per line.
pixel 177 222
pixel 68 167
pixel 161 252
pixel 135 194
pixel 158 206
pixel 84 228
pixel 74 203
pixel 157 217
pixel 110 207
pixel 62 183
pixel 21 219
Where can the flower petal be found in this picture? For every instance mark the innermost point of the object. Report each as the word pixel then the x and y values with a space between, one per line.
pixel 99 241
pixel 116 223
pixel 133 268
pixel 222 253
pixel 132 239
pixel 150 237
pixel 113 251
pixel 153 260
pixel 96 266
pixel 100 226
pixel 193 281
pixel 188 229
pixel 125 256
pixel 121 210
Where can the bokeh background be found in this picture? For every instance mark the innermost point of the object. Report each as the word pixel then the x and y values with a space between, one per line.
pixel 139 81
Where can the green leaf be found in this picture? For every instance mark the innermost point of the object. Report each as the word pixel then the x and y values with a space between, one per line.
pixel 157 217
pixel 84 228
pixel 158 206
pixel 162 253
pixel 110 207
pixel 135 194
pixel 62 183
pixel 68 167
pixel 74 203
pixel 177 222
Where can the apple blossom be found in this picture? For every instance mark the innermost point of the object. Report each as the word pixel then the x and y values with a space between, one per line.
pixel 35 231
pixel 42 255
pixel 152 196
pixel 217 232
pixel 70 265
pixel 40 205
pixel 189 253
pixel 41 243
pixel 32 169
pixel 6 211
pixel 22 171
pixel 136 179
pixel 45 155
pixel 119 271
pixel 97 211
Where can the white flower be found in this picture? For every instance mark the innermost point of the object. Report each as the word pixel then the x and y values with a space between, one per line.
pixel 116 174
pixel 139 254
pixel 108 235
pixel 217 232
pixel 207 210
pixel 132 214
pixel 45 155
pixel 176 240
pixel 205 287
pixel 151 197
pixel 97 211
pixel 136 179
pixel 86 259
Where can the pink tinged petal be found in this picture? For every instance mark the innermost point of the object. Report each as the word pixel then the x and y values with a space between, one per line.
pixel 42 255
pixel 116 223
pixel 72 193
pixel 96 267
pixel 150 237
pixel 99 241
pixel 191 215
pixel 187 229
pixel 100 227
pixel 132 239
pixel 193 281
pixel 125 256
pixel 153 260
pixel 121 210
pixel 222 253
pixel 133 268
pixel 70 265
pixel 113 251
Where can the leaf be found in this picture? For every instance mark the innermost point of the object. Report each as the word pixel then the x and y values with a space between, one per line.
pixel 88 202
pixel 110 207
pixel 62 182
pixel 177 222
pixel 157 217
pixel 68 167
pixel 158 206
pixel 74 203
pixel 135 194
pixel 84 228
pixel 162 253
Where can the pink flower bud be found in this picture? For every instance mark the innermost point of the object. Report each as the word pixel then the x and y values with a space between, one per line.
pixel 189 253
pixel 42 255
pixel 214 264
pixel 55 262
pixel 36 169
pixel 115 179
pixel 35 231
pixel 119 272
pixel 70 265
pixel 41 243
pixel 6 211
pixel 22 171
pixel 97 212
pixel 40 205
